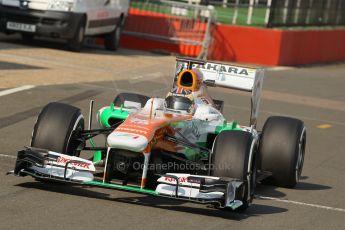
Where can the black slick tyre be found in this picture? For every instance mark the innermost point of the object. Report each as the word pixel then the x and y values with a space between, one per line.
pixel 233 157
pixel 54 127
pixel 282 150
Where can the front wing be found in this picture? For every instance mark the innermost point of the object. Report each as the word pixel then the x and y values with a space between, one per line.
pixel 47 165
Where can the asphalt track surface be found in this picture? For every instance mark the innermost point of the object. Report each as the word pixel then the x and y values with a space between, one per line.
pixel 315 94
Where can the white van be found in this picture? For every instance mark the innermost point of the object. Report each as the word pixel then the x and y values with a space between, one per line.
pixel 71 20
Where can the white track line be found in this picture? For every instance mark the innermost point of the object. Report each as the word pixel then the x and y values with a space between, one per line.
pixel 300 203
pixel 8 156
pixel 280 68
pixel 15 90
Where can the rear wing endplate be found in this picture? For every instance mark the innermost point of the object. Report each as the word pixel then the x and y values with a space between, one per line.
pixel 228 76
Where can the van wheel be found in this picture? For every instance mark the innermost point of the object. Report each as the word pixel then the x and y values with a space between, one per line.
pixel 76 43
pixel 54 128
pixel 233 157
pixel 112 40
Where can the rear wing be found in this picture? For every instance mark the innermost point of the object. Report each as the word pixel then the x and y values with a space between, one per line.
pixel 228 76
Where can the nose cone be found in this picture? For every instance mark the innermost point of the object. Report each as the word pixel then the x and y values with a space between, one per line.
pixel 127 141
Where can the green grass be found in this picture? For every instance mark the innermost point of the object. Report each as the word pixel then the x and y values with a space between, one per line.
pixel 224 15
pixel 157 8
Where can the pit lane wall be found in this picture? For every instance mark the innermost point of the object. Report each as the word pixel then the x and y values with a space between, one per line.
pixel 247 44
pixel 276 46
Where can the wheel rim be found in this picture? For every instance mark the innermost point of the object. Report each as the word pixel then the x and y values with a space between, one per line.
pixel 79 125
pixel 253 179
pixel 251 176
pixel 300 158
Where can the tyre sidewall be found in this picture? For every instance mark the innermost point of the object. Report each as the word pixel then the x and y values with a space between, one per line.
pixel 234 157
pixel 54 126
pixel 279 149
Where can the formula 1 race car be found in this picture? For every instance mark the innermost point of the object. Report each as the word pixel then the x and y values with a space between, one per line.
pixel 181 146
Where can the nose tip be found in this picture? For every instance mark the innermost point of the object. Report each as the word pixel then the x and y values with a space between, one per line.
pixel 127 141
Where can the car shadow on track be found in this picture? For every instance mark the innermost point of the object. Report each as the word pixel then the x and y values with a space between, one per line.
pixel 272 191
pixel 311 186
pixel 303 185
pixel 156 202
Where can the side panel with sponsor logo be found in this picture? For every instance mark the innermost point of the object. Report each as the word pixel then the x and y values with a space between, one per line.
pixel 144 124
pixel 181 126
pixel 195 131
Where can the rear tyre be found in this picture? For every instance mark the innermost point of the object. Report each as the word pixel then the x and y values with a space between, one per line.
pixel 282 149
pixel 134 97
pixel 76 43
pixel 233 157
pixel 54 127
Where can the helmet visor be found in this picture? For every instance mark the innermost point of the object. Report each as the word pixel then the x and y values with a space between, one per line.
pixel 178 103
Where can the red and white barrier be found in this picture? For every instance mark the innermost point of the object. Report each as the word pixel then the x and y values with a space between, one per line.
pixel 243 44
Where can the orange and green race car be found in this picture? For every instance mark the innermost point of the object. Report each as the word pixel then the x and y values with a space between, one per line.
pixel 180 146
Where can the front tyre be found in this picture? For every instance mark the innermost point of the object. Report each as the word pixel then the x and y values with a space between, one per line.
pixel 54 127
pixel 234 157
pixel 282 150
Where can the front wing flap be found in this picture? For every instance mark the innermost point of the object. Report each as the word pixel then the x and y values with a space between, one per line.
pixel 43 164
pixel 225 192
